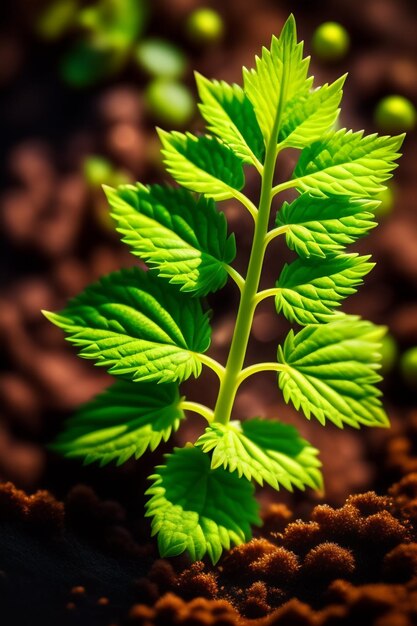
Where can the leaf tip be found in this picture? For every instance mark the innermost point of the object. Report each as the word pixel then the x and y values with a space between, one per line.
pixel 55 318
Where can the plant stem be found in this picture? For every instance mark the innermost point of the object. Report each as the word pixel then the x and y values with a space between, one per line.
pixel 259 367
pixel 234 275
pixel 230 382
pixel 276 232
pixel 212 364
pixel 246 203
pixel 196 407
pixel 289 184
pixel 267 293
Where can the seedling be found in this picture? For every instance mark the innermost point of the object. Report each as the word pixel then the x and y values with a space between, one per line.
pixel 149 328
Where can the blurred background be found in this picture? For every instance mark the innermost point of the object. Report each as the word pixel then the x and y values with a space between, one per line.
pixel 83 85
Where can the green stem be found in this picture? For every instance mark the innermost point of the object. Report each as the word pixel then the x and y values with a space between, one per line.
pixel 266 293
pixel 246 202
pixel 259 367
pixel 234 275
pixel 276 232
pixel 212 364
pixel 289 184
pixel 196 407
pixel 230 383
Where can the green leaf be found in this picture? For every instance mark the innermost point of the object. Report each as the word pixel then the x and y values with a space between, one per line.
pixel 202 164
pixel 347 163
pixel 229 114
pixel 330 372
pixel 137 327
pixel 182 237
pixel 125 420
pixel 197 509
pixel 264 451
pixel 309 116
pixel 310 289
pixel 280 76
pixel 320 227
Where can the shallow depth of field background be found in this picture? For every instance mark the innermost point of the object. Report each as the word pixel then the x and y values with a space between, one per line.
pixel 56 235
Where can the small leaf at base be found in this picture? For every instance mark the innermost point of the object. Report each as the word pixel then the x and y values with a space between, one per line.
pixel 197 509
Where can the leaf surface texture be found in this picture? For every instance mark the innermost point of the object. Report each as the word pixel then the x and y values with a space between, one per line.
pixel 330 372
pixel 197 509
pixel 183 237
pixel 123 421
pixel 137 327
pixel 266 451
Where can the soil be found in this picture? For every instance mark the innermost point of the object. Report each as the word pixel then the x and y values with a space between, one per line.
pixel 74 545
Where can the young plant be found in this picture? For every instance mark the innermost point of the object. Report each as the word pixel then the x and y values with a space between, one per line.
pixel 150 329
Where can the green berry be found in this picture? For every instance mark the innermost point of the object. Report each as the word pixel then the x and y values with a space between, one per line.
pixel 97 170
pixel 387 200
pixel 408 366
pixel 389 352
pixel 160 58
pixel 205 26
pixel 395 114
pixel 330 41
pixel 169 102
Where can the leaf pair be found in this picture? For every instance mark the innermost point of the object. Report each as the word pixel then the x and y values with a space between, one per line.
pixel 200 507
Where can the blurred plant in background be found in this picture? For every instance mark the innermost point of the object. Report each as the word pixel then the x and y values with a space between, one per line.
pixel 107 35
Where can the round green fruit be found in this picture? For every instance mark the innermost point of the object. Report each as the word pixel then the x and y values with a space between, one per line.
pixel 205 26
pixel 408 366
pixel 160 58
pixel 395 114
pixel 169 102
pixel 97 170
pixel 330 41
